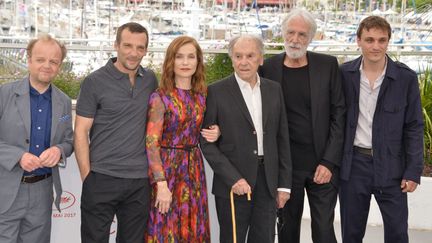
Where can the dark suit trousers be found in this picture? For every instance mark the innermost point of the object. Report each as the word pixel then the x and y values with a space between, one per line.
pixel 322 201
pixel 104 196
pixel 355 196
pixel 255 218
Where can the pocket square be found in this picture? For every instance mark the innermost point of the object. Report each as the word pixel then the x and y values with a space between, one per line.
pixel 64 118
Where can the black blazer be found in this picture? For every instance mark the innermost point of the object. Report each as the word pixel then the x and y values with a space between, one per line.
pixel 234 155
pixel 397 129
pixel 327 101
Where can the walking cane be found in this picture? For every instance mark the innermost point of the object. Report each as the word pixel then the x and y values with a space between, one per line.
pixel 233 214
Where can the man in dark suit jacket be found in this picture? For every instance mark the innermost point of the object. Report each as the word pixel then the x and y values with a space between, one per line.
pixel 35 139
pixel 252 154
pixel 315 108
pixel 383 153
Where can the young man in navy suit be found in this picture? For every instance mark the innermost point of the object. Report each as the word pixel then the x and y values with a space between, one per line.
pixel 383 153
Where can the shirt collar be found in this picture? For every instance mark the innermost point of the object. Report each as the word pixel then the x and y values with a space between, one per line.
pixel 117 74
pixel 244 84
pixel 383 72
pixel 46 95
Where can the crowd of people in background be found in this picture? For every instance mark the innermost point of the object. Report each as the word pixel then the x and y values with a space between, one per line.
pixel 295 122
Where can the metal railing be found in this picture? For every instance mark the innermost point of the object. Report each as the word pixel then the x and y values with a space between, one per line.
pixel 420 49
pixel 87 57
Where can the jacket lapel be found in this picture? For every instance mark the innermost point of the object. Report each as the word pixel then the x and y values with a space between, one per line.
pixel 314 83
pixel 23 103
pixel 354 71
pixel 56 114
pixel 237 96
pixel 390 74
pixel 278 74
pixel 265 96
pixel 57 109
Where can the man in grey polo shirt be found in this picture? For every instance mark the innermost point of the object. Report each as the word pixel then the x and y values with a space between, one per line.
pixel 111 111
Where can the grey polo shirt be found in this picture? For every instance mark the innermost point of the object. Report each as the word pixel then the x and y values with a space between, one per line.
pixel 117 136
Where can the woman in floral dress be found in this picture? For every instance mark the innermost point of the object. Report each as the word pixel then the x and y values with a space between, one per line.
pixel 179 210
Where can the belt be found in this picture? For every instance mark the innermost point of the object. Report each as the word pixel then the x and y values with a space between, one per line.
pixel 34 178
pixel 260 159
pixel 187 147
pixel 364 151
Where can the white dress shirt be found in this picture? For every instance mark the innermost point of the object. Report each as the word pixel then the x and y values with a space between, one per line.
pixel 367 104
pixel 252 97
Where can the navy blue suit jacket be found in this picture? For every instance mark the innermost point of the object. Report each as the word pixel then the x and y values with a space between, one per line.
pixel 397 130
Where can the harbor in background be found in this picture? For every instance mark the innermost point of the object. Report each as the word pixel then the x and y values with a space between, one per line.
pixel 88 26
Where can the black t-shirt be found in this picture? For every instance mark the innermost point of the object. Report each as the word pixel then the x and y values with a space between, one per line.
pixel 296 90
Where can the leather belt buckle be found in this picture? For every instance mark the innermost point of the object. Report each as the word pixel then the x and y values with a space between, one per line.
pixel 364 151
pixel 34 178
pixel 260 159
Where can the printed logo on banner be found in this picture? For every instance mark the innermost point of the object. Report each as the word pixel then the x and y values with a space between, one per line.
pixel 67 200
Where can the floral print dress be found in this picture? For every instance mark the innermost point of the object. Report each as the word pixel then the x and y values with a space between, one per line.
pixel 173 130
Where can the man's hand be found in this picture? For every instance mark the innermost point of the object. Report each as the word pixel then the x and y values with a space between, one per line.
pixel 408 186
pixel 241 187
pixel 322 175
pixel 84 173
pixel 50 157
pixel 211 134
pixel 282 198
pixel 30 162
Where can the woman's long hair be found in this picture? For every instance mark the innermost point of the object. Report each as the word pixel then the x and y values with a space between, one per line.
pixel 167 82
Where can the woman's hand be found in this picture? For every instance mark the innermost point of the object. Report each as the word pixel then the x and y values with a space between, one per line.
pixel 163 197
pixel 211 134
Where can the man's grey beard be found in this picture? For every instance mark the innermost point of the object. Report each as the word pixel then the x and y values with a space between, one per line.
pixel 295 54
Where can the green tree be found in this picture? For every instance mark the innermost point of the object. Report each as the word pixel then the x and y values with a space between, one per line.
pixel 425 80
pixel 217 67
pixel 69 83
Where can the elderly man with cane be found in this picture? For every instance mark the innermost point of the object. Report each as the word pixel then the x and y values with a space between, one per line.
pixel 252 154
